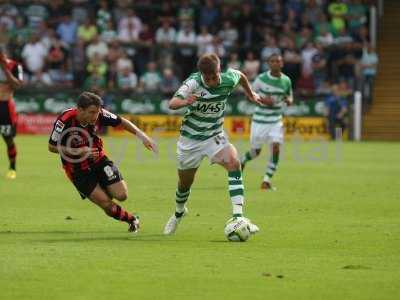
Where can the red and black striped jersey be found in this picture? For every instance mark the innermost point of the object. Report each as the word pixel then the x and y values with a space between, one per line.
pixel 15 68
pixel 68 132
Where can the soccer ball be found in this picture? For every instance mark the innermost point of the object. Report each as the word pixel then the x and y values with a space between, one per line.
pixel 237 230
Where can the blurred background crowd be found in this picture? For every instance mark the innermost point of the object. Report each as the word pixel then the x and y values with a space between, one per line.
pixel 152 46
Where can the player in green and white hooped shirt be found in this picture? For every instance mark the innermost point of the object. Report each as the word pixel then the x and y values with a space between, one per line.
pixel 204 94
pixel 267 127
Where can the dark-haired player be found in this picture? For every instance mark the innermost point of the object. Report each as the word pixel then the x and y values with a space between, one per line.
pixel 205 94
pixel 10 79
pixel 267 125
pixel 74 137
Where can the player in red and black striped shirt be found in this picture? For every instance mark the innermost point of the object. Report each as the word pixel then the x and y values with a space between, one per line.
pixel 74 137
pixel 10 80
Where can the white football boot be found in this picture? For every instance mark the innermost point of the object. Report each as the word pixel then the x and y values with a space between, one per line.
pixel 253 228
pixel 173 222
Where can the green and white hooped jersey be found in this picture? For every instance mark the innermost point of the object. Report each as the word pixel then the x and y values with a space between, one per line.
pixel 277 88
pixel 205 117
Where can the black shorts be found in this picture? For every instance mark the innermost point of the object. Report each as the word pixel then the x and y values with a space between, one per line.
pixel 8 118
pixel 103 173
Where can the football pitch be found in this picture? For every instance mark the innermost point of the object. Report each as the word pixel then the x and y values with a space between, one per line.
pixel 330 231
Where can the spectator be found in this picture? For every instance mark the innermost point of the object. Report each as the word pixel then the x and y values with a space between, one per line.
pixel 186 12
pixel 109 34
pixel 103 17
pixel 203 40
pixel 234 62
pixel 269 48
pixel 87 31
pixel 216 47
pixel 57 60
pixel 151 79
pixel 251 66
pixel 67 30
pixel 228 35
pixel 208 16
pixel 307 55
pixel 169 83
pixel 368 64
pixel 324 38
pixel 97 46
pixel 36 13
pixel 186 52
pixel 126 79
pixel 335 111
pixel 129 27
pixel 34 54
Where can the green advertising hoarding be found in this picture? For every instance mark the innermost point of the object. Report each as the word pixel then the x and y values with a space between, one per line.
pixel 147 104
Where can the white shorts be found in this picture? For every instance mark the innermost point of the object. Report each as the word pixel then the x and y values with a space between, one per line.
pixel 190 152
pixel 265 133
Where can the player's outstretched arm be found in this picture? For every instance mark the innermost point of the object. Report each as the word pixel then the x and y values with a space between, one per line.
pixel 11 79
pixel 132 128
pixel 177 102
pixel 250 94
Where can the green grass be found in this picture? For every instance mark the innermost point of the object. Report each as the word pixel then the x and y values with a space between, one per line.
pixel 331 231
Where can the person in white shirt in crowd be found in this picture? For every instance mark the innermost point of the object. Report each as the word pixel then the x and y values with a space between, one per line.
pixel 34 54
pixel 126 79
pixel 129 27
pixel 165 39
pixel 229 35
pixel 216 47
pixel 97 46
pixel 151 79
pixel 203 40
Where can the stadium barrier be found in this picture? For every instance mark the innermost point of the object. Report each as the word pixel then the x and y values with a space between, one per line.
pixel 37 112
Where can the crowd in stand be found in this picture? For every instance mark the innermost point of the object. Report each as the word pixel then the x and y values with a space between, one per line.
pixel 153 45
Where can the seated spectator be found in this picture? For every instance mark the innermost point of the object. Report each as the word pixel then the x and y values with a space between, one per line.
pixel 216 47
pixel 98 47
pixel 87 31
pixel 103 16
pixel 208 16
pixel 36 13
pixel 325 38
pixel 57 60
pixel 269 48
pixel 109 34
pixel 97 66
pixel 34 54
pixel 251 66
pixel 169 83
pixel 151 79
pixel 67 30
pixel 126 79
pixel 234 62
pixel 228 35
pixel 203 40
pixel 123 61
pixel 129 27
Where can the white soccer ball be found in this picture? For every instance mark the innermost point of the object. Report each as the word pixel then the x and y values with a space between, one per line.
pixel 237 230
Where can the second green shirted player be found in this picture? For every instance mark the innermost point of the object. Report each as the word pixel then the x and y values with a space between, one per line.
pixel 267 126
pixel 205 94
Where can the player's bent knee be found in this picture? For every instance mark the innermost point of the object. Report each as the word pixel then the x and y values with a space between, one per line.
pixel 121 196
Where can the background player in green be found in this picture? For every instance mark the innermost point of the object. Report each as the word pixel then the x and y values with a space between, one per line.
pixel 204 94
pixel 267 126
